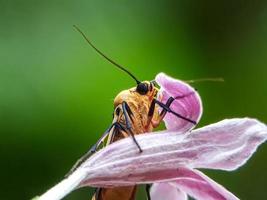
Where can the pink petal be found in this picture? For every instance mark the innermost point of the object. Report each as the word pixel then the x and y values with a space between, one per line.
pixel 225 145
pixel 201 187
pixel 166 191
pixel 229 143
pixel 189 104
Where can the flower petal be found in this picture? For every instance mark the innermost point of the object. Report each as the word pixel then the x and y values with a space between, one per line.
pixel 225 145
pixel 166 191
pixel 201 187
pixel 64 187
pixel 188 103
pixel 229 143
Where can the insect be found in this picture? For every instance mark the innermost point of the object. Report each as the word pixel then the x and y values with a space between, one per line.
pixel 137 110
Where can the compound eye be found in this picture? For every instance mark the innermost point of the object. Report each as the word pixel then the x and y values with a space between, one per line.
pixel 142 88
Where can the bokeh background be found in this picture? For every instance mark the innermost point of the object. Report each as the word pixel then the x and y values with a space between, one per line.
pixel 56 93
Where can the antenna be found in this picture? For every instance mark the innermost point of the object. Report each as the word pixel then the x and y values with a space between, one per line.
pixel 102 54
pixel 219 79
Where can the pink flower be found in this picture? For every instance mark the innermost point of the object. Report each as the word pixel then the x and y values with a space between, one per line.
pixel 170 158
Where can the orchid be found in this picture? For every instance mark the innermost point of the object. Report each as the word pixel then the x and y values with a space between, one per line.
pixel 171 158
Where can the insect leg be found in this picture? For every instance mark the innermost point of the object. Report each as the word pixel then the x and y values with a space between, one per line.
pixel 150 115
pixel 97 194
pixel 167 108
pixel 117 127
pixel 127 112
pixel 151 111
pixel 170 100
pixel 162 114
pixel 91 151
pixel 148 186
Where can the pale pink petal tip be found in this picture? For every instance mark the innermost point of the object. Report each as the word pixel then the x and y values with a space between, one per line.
pixel 187 104
pixel 228 143
pixel 166 191
pixel 201 187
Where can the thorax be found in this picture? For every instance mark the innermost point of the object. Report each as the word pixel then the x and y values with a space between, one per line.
pixel 139 105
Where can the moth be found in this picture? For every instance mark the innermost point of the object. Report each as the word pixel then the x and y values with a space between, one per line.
pixel 137 110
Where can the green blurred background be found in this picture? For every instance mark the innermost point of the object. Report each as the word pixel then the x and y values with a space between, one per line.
pixel 56 93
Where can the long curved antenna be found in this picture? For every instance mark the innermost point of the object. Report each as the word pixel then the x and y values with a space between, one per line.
pixel 219 79
pixel 102 54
